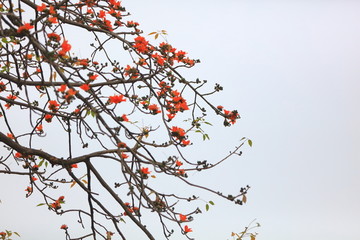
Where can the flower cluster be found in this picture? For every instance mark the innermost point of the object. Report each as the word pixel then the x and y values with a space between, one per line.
pixel 131 209
pixel 57 204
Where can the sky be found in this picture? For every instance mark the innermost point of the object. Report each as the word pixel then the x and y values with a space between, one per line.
pixel 291 70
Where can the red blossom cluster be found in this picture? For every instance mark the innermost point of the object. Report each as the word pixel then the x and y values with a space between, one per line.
pixel 131 209
pixel 116 99
pixel 57 204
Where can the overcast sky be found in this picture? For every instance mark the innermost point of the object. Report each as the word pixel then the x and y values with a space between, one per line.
pixel 291 68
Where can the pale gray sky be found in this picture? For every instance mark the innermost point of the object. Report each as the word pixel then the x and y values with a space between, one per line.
pixel 291 69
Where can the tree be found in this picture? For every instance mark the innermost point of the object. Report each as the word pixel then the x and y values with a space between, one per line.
pixel 121 105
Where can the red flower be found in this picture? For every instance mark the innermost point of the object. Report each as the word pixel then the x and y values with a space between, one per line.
pixel 65 47
pixel 74 165
pixel 9 135
pixel 102 14
pixel 185 142
pixel 40 128
pixel 83 62
pixel 28 189
pixel 11 97
pixel 124 118
pixel 116 99
pixel 178 163
pixel 141 44
pixel 181 172
pixel 52 19
pixel 170 116
pixel 145 170
pixel 121 145
pixel 124 156
pixel 178 133
pixel 52 10
pixel 41 8
pixel 35 167
pixel 62 88
pixel 187 229
pixel 3 234
pixel 18 155
pixel 53 36
pixel 64 226
pixel 53 105
pixel 132 24
pixel 85 87
pixel 159 59
pixel 25 27
pixel 93 77
pixel 48 117
pixel 154 109
pixel 34 178
pixel 183 218
pixel 2 86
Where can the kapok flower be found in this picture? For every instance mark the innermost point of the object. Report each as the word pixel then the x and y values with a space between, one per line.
pixel 178 163
pixel 48 117
pixel 62 88
pixel 132 24
pixel 178 133
pixel 64 226
pixel 54 37
pixel 53 105
pixel 181 172
pixel 183 218
pixel 2 86
pixel 40 128
pixel 154 109
pixel 93 77
pixel 74 165
pixel 185 142
pixel 52 19
pixel 65 47
pixel 9 135
pixel 141 44
pixel 2 234
pixel 187 229
pixel 28 189
pixel 116 99
pixel 25 27
pixel 124 155
pixel 85 87
pixel 145 170
pixel 41 8
pixel 121 145
pixel 124 118
pixel 35 167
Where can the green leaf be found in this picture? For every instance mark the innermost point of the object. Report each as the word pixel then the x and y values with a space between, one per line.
pixel 250 142
pixel 156 36
pixel 41 163
pixel 46 163
pixel 40 204
pixel 17 234
pixel 208 123
pixel 152 33
pixel 212 203
pixel 207 207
